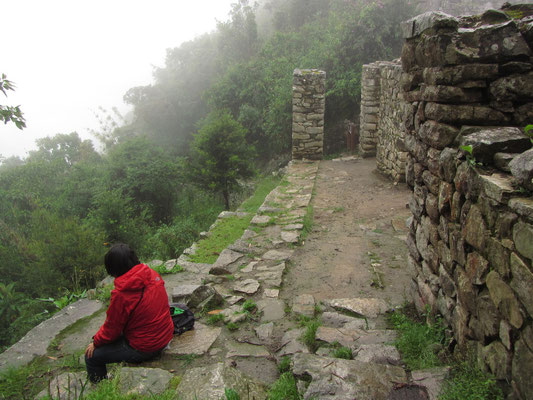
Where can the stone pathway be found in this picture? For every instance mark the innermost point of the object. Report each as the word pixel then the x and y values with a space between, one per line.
pixel 243 351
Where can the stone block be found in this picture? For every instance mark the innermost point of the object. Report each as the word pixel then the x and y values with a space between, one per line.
pixel 521 368
pixel 465 114
pixel 498 359
pixel 429 20
pixel 476 268
pixel 487 142
pixel 522 236
pixel 451 94
pixel 475 228
pixel 436 134
pixel 514 87
pixel 504 299
pixel 210 382
pixel 522 169
pixel 497 186
pixel 522 282
pixel 457 74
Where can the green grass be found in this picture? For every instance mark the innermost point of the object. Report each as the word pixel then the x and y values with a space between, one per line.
pixel 161 269
pixel 419 343
pixel 307 223
pixel 284 364
pixel 344 353
pixel 223 234
pixel 231 394
pixel 214 319
pixel 232 326
pixel 249 306
pixel 467 382
pixel 263 188
pixel 309 335
pixel 284 388
pixel 228 230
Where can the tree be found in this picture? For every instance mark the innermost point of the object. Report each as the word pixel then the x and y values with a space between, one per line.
pixel 220 155
pixel 10 113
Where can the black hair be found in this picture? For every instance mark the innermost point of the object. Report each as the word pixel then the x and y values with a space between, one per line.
pixel 120 259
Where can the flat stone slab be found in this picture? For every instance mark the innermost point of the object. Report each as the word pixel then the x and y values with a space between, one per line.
pixel 66 386
pixel 432 379
pixel 354 337
pixel 250 267
pixel 290 236
pixel 291 344
pixel 293 227
pixel 197 341
pixel 264 331
pixel 36 341
pixel 272 309
pixel 261 220
pixel 369 308
pixel 196 296
pixel 378 353
pixel 270 278
pixel 245 350
pixel 278 255
pixel 230 214
pixel 336 320
pixel 248 286
pixel 143 381
pixel 304 305
pixel 272 293
pixel 227 257
pixel 334 378
pixel 233 314
pixel 211 381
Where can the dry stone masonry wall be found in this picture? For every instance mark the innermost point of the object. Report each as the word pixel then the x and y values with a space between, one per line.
pixel 308 105
pixel 382 111
pixel 469 82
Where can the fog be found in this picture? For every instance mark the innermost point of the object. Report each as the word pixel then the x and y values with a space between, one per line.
pixel 67 58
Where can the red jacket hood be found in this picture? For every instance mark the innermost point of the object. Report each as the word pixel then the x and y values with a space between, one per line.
pixel 136 278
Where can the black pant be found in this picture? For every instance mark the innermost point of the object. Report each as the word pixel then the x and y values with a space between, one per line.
pixel 113 353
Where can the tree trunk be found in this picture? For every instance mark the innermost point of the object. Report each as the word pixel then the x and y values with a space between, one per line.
pixel 225 193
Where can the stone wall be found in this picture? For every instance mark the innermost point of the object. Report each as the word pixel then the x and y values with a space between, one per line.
pixel 469 82
pixel 391 152
pixel 308 106
pixel 370 100
pixel 382 111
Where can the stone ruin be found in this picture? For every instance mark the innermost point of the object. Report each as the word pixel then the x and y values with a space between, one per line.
pixel 308 105
pixel 454 111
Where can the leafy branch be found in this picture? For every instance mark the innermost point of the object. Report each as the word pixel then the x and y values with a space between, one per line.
pixel 468 150
pixel 10 113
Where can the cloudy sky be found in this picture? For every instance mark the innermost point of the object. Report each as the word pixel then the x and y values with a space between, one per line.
pixel 68 57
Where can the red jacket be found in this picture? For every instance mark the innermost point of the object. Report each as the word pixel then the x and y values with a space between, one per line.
pixel 149 327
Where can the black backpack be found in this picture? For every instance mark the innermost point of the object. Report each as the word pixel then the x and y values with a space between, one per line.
pixel 182 317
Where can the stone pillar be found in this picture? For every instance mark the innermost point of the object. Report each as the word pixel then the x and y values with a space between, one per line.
pixel 370 99
pixel 308 107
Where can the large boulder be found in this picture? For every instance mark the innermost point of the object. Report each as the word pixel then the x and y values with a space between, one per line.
pixel 522 169
pixel 197 297
pixel 211 382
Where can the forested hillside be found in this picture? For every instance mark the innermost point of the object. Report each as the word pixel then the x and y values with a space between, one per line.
pixel 222 100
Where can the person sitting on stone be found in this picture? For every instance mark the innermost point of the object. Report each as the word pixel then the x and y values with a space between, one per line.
pixel 138 323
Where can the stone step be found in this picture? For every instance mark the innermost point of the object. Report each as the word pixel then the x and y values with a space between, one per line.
pixel 354 338
pixel 364 307
pixel 210 382
pixel 333 378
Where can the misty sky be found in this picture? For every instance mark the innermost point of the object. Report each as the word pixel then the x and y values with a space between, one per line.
pixel 67 57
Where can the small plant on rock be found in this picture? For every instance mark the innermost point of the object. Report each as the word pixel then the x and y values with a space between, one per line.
pixel 309 336
pixel 284 364
pixel 232 326
pixel 344 353
pixel 249 306
pixel 213 319
pixel 468 150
